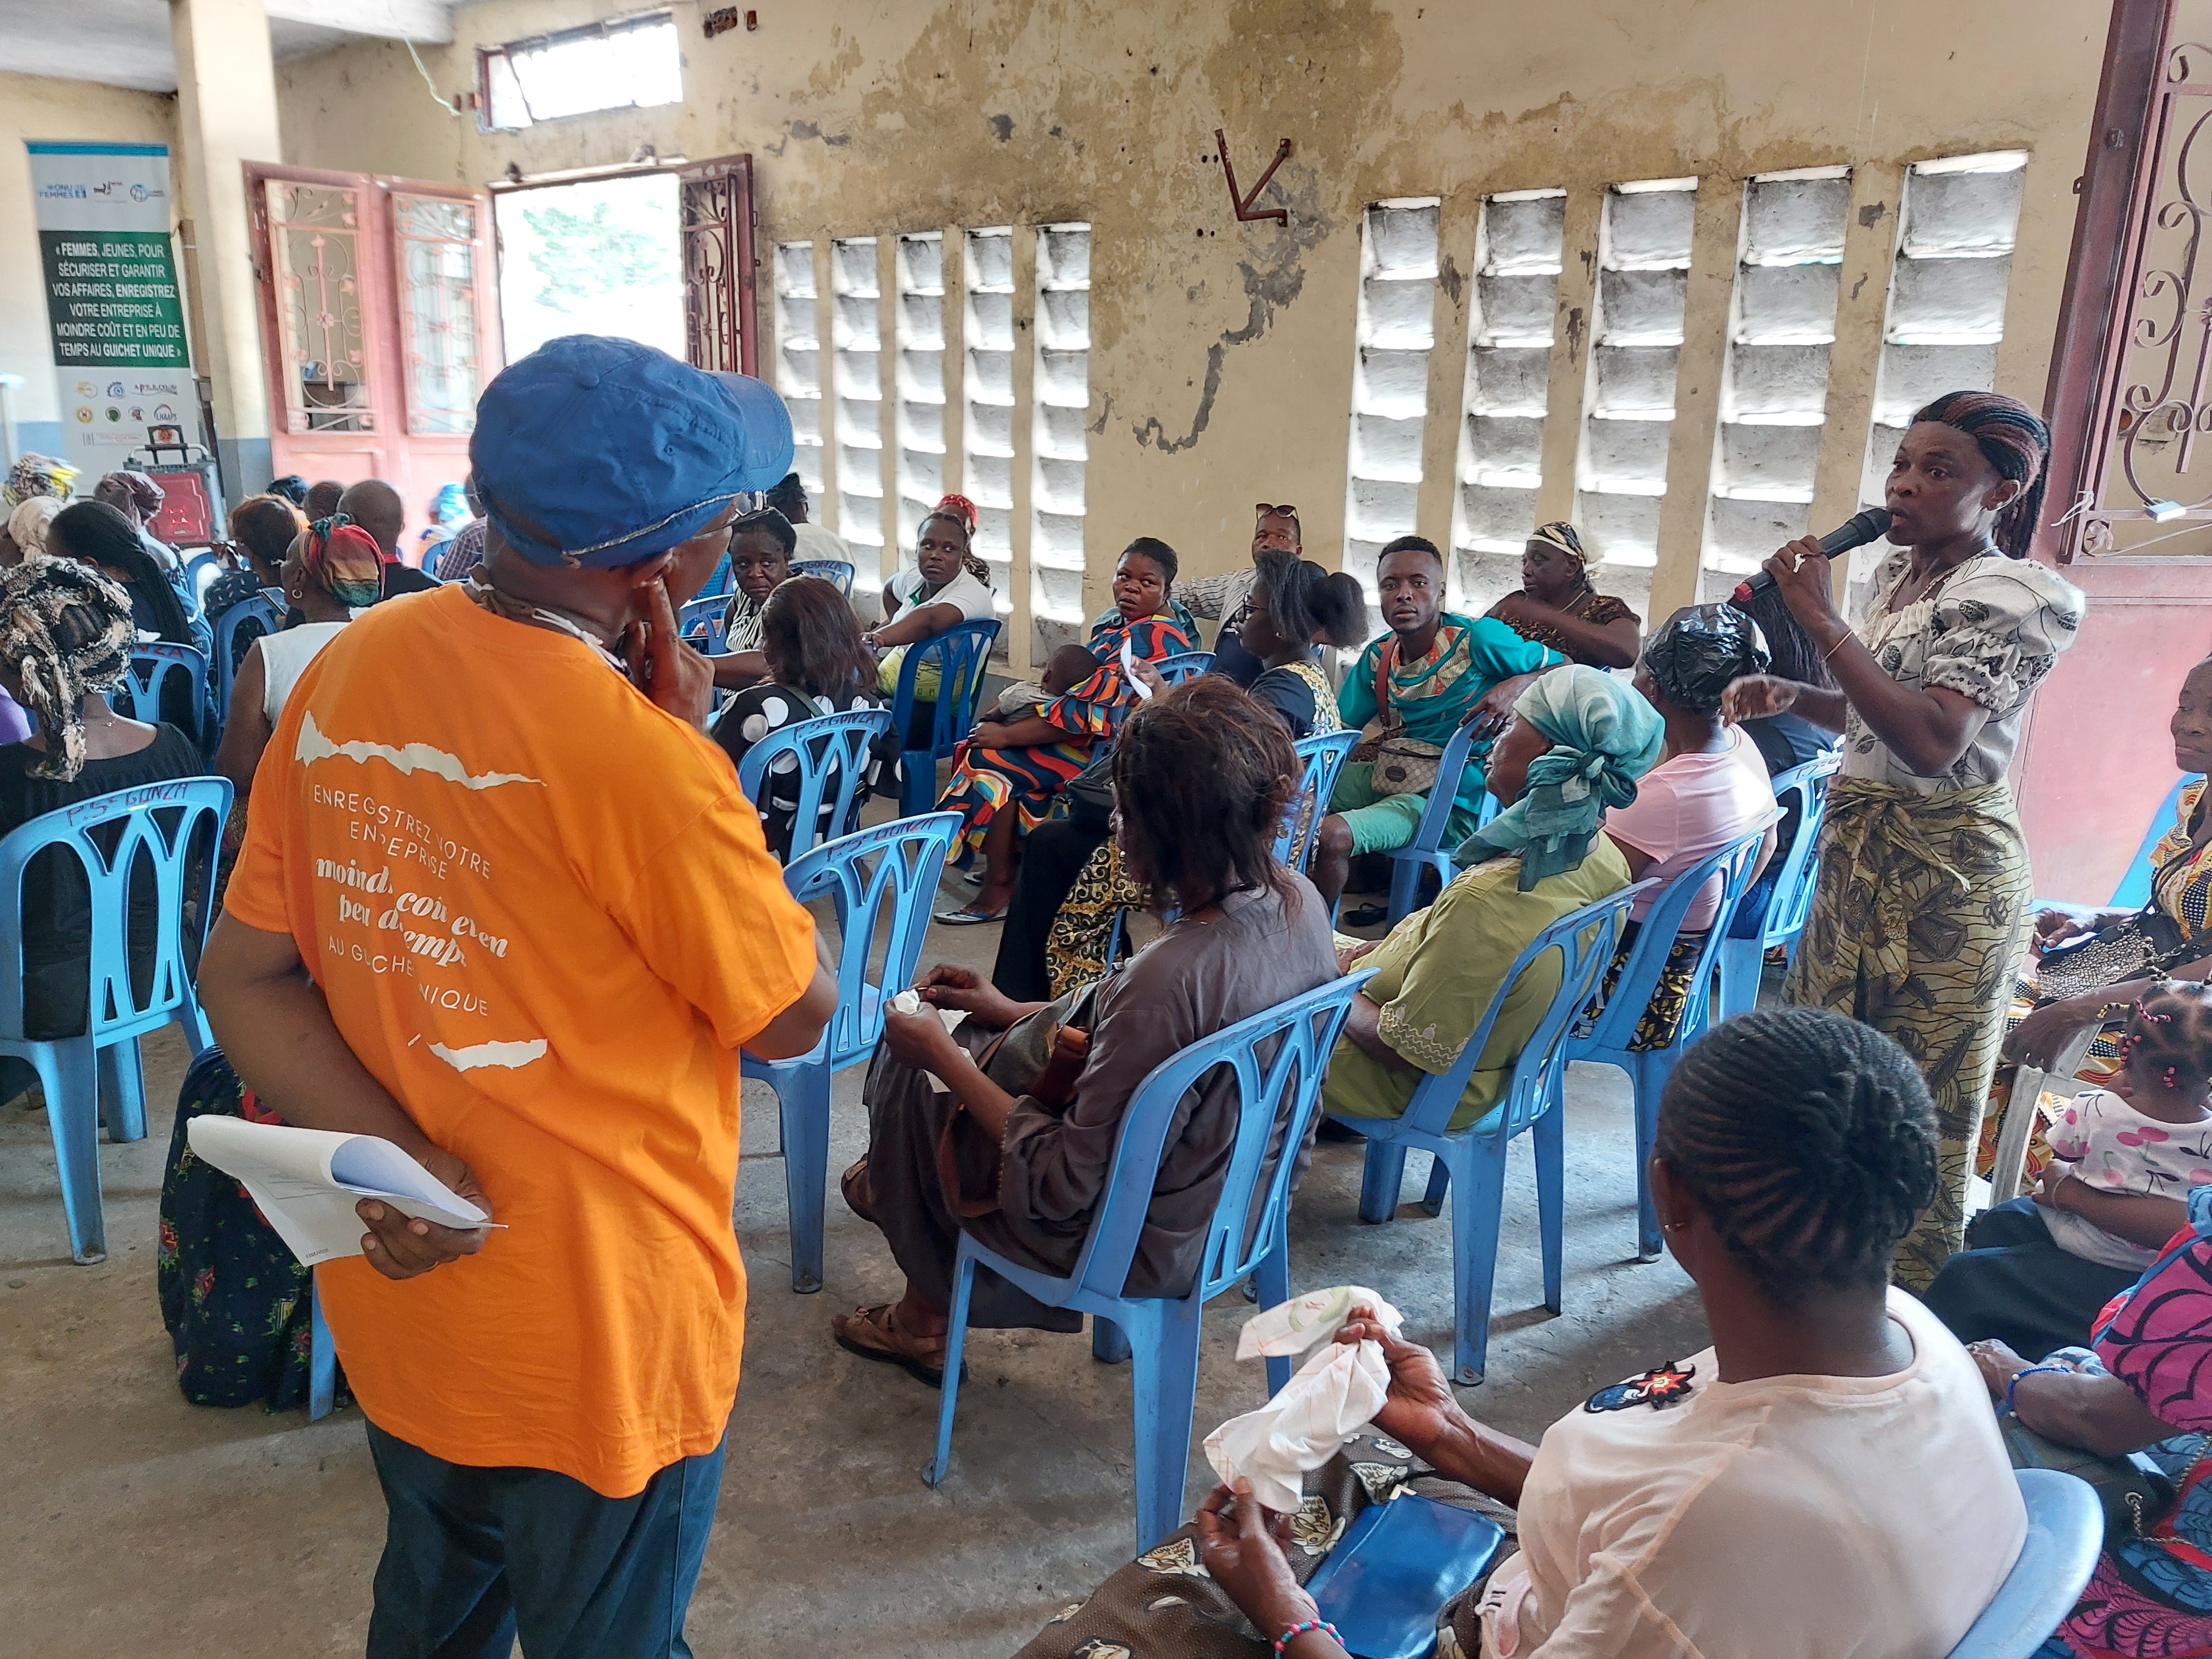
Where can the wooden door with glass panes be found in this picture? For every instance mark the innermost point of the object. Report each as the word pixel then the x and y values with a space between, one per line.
pixel 378 326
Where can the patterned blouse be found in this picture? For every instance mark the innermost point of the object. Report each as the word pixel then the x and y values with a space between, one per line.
pixel 1599 611
pixel 1989 629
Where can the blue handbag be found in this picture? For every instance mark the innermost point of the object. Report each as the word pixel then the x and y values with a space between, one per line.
pixel 1395 1565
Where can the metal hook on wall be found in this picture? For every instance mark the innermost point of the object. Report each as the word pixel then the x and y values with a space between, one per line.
pixel 1244 202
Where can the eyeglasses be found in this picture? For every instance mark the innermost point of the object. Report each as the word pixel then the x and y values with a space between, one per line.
pixel 1286 511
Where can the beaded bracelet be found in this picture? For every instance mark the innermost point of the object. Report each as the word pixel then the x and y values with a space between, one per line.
pixel 1309 1627
pixel 2030 1372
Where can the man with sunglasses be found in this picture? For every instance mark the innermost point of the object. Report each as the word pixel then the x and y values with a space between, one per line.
pixel 1229 596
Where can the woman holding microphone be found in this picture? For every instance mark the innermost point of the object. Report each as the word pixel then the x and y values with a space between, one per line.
pixel 1921 909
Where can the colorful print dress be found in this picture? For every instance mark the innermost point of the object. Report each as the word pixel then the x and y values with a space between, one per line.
pixel 2150 1597
pixel 986 782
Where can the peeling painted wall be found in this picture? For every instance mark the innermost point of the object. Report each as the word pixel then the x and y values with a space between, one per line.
pixel 1221 354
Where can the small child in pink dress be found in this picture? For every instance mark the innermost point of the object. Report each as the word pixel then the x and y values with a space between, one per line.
pixel 2150 1132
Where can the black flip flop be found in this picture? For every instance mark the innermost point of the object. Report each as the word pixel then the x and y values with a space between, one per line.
pixel 1366 917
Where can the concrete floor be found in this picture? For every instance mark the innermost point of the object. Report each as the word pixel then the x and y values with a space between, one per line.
pixel 136 1524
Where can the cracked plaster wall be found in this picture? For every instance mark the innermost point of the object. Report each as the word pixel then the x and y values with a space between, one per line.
pixel 1221 355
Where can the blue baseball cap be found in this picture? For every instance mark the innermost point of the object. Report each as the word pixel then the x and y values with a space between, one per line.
pixel 599 452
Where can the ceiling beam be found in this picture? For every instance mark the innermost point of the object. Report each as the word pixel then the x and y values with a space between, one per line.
pixel 426 21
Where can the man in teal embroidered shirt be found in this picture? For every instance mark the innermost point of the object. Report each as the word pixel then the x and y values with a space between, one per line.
pixel 1435 670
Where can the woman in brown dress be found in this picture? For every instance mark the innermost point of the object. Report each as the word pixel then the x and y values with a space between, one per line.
pixel 1018 1152
pixel 1555 604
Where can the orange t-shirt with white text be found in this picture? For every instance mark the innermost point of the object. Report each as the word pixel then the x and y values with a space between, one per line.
pixel 545 919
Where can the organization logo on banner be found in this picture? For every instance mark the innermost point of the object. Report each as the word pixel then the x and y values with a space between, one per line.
pixel 114 309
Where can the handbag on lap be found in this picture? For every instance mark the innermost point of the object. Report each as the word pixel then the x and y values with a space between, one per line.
pixel 1401 765
pixel 2144 944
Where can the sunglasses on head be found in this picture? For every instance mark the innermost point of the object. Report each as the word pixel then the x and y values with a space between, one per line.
pixel 1286 511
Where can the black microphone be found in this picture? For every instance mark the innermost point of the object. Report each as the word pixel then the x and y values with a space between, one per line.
pixel 1855 533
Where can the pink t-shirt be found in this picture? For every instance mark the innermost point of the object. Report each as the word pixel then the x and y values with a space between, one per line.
pixel 1692 805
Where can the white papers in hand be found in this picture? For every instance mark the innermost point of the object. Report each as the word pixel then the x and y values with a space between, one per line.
pixel 1129 673
pixel 910 1002
pixel 1332 1396
pixel 307 1182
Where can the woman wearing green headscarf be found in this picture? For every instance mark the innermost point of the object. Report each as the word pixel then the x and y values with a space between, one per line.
pixel 1579 741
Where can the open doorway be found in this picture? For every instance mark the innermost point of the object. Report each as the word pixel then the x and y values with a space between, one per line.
pixel 600 256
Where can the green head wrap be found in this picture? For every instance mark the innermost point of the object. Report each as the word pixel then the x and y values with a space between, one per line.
pixel 1604 736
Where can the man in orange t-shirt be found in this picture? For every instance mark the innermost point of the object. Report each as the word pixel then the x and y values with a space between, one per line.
pixel 500 902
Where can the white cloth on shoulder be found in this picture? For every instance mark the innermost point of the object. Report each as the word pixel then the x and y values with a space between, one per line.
pixel 1334 1394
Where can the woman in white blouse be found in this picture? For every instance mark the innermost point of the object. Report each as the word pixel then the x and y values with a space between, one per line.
pixel 1827 1479
pixel 1922 911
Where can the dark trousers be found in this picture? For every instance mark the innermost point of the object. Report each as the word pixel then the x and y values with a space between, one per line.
pixel 1053 856
pixel 2013 1283
pixel 475 1557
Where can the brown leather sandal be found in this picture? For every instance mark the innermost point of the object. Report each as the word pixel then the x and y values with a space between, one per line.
pixel 875 1333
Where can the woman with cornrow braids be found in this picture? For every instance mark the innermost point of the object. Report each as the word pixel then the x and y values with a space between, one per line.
pixel 1826 1480
pixel 1921 914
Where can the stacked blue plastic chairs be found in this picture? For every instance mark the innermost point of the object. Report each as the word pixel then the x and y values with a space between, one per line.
pixel 2065 1534
pixel 1472 1159
pixel 155 665
pixel 265 608
pixel 960 653
pixel 103 1061
pixel 1742 960
pixel 1278 1056
pixel 1184 666
pixel 893 868
pixel 1321 758
pixel 831 752
pixel 829 571
pixel 700 621
pixel 1606 1041
pixel 1426 851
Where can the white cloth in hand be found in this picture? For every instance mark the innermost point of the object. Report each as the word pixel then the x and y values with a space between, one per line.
pixel 1334 1394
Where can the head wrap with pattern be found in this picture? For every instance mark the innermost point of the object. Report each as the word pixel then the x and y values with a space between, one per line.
pixel 1565 538
pixel 65 631
pixel 1604 736
pixel 344 560
pixel 35 475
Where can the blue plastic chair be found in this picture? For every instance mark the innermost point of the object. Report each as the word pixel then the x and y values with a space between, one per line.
pixel 1184 666
pixel 1474 1159
pixel 838 571
pixel 1427 851
pixel 154 664
pixel 700 621
pixel 892 866
pixel 831 752
pixel 1605 1043
pixel 200 570
pixel 960 651
pixel 1162 1334
pixel 266 608
pixel 1321 758
pixel 718 585
pixel 1742 960
pixel 105 1057
pixel 2065 1532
